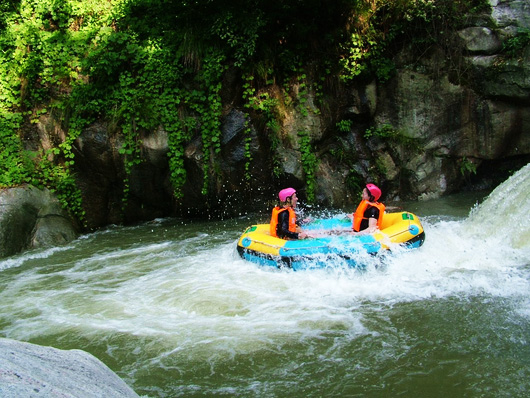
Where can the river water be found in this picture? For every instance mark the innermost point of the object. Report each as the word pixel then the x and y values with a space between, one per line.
pixel 173 310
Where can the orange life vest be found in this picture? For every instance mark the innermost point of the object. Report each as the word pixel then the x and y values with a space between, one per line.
pixel 274 220
pixel 358 216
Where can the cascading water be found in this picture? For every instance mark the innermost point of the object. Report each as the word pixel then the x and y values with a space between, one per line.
pixel 174 311
pixel 504 216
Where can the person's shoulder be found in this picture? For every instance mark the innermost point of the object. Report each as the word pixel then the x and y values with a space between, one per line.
pixel 373 210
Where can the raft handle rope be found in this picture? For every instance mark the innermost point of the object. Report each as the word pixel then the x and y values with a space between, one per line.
pixel 266 244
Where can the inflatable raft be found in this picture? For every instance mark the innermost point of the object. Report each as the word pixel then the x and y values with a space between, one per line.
pixel 333 241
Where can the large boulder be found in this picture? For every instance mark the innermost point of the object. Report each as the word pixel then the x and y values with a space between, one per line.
pixel 479 39
pixel 32 218
pixel 29 370
pixel 501 77
pixel 100 173
pixel 510 15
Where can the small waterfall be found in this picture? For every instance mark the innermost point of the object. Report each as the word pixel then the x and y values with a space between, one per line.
pixel 504 215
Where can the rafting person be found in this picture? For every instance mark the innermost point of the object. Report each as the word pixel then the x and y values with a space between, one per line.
pixel 369 214
pixel 284 223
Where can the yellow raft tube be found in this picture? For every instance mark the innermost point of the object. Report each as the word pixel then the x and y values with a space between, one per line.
pixel 332 240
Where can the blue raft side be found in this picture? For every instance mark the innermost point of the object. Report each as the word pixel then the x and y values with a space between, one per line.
pixel 260 260
pixel 301 263
pixel 345 245
pixel 317 253
pixel 342 223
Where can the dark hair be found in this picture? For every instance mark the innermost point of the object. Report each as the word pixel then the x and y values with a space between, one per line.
pixel 370 196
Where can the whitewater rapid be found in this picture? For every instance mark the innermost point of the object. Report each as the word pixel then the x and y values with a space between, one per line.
pixel 174 299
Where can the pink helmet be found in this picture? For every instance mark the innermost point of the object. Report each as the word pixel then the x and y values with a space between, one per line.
pixel 374 191
pixel 285 193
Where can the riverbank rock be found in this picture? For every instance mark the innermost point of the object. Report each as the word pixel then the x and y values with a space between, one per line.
pixel 29 370
pixel 32 218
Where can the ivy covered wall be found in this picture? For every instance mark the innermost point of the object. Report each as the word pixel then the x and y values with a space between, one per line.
pixel 145 65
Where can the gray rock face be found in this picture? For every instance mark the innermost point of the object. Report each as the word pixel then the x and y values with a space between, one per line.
pixel 29 370
pixel 511 14
pixel 503 78
pixel 458 125
pixel 479 39
pixel 31 218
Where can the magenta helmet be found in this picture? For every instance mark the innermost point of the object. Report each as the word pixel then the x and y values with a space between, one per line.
pixel 374 191
pixel 285 193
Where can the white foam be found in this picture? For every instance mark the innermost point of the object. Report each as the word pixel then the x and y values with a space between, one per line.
pixel 18 260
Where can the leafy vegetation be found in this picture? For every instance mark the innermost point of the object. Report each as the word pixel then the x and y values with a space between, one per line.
pixel 144 65
pixel 390 134
pixel 467 167
pixel 513 46
pixel 309 163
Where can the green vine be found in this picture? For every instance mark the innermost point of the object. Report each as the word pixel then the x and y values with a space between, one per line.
pixel 267 106
pixel 59 179
pixel 207 104
pixel 309 164
pixel 392 135
pixel 177 135
pixel 303 93
pixel 248 99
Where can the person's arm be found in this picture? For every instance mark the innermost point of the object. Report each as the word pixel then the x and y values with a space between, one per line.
pixel 372 226
pixel 372 222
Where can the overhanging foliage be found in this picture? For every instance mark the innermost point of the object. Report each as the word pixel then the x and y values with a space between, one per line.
pixel 148 64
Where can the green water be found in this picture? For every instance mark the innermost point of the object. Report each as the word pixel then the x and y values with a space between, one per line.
pixel 172 309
